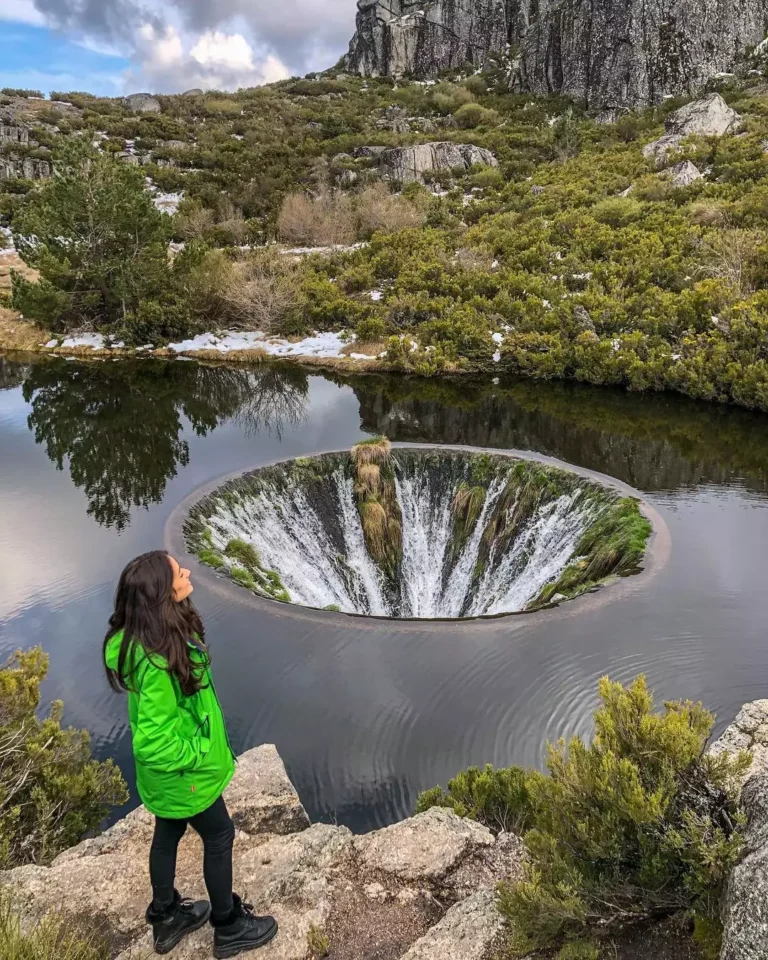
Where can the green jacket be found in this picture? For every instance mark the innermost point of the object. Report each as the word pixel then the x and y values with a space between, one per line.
pixel 180 744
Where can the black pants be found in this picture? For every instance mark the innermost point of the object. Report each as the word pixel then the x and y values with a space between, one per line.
pixel 218 834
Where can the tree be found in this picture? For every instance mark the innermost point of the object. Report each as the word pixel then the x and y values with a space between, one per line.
pixel 100 247
pixel 52 792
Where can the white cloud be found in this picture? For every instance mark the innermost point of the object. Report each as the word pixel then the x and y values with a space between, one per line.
pixel 174 44
pixel 21 11
pixel 167 60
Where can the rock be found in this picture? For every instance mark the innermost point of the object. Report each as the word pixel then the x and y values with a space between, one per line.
pixel 346 178
pixel 426 847
pixel 606 117
pixel 745 936
pixel 175 144
pixel 608 56
pixel 660 150
pixel 142 103
pixel 468 931
pixel 368 152
pixel 407 164
pixel 486 867
pixel 194 92
pixel 130 158
pixel 29 169
pixel 682 174
pixel 709 117
pixel 376 891
pixel 340 159
pixel 398 37
pixel 14 134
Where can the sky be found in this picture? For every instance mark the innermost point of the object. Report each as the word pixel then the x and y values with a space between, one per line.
pixel 115 47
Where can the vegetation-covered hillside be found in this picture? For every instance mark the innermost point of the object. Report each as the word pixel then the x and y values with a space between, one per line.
pixel 543 266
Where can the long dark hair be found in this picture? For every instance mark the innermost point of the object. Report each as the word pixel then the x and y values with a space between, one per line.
pixel 148 615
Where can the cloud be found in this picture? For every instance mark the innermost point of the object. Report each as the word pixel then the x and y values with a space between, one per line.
pixel 174 44
pixel 22 11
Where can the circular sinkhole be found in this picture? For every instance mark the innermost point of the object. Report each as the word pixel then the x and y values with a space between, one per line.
pixel 417 532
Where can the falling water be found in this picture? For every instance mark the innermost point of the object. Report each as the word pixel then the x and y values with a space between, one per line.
pixel 311 534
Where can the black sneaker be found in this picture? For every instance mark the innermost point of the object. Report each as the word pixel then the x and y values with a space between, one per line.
pixel 171 925
pixel 244 931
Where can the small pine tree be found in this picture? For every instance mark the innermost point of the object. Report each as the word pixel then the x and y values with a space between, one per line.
pixel 52 792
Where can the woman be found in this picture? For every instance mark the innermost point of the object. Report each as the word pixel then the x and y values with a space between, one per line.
pixel 155 650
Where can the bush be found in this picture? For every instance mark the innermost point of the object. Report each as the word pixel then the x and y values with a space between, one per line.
pixel 379 210
pixel 499 799
pixel 323 220
pixel 21 92
pixel 258 292
pixel 473 115
pixel 640 824
pixel 52 793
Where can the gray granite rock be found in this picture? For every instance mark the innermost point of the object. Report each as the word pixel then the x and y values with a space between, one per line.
pixel 606 54
pixel 708 117
pixel 746 902
pixel 468 931
pixel 407 164
pixel 682 174
pixel 142 103
pixel 426 847
pixel 662 149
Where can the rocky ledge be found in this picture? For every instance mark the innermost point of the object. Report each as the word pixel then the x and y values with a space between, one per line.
pixel 419 890
pixel 422 889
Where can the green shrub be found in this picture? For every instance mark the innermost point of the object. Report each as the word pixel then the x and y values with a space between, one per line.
pixel 21 92
pixel 473 115
pixel 52 792
pixel 497 798
pixel 642 823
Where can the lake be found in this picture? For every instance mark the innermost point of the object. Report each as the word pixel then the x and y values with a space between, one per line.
pixel 94 458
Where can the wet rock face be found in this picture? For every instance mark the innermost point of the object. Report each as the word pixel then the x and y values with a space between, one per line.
pixel 605 53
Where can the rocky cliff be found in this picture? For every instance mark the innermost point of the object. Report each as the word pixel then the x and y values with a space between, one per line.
pixel 609 54
pixel 419 890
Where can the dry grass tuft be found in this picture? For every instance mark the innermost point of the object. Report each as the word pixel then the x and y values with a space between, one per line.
pixel 375 451
pixel 368 480
pixel 374 521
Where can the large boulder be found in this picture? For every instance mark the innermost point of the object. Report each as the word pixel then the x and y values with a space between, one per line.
pixel 683 174
pixel 746 903
pixel 426 847
pixel 608 55
pixel 708 117
pixel 407 164
pixel 661 150
pixel 29 168
pixel 142 103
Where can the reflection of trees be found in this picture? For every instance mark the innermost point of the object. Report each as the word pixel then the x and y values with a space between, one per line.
pixel 654 442
pixel 119 425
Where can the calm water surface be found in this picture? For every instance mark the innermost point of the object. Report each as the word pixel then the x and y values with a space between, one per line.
pixel 94 458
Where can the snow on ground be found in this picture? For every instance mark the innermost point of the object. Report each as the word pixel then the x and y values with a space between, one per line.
pixel 318 345
pixel 9 248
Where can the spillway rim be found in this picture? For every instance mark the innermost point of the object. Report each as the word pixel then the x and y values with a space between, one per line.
pixel 657 552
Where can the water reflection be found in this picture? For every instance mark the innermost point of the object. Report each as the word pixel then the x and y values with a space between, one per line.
pixel 119 426
pixel 653 442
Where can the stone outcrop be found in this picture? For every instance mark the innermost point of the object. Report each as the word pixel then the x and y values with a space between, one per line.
pixel 29 169
pixel 142 103
pixel 422 889
pixel 682 174
pixel 406 164
pixel 708 117
pixel 606 54
pixel 746 906
pixel 14 134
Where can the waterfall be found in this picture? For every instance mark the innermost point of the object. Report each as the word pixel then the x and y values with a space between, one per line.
pixel 306 527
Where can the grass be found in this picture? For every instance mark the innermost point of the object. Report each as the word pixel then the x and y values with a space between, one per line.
pixel 467 505
pixel 243 577
pixel 374 520
pixel 368 480
pixel 376 450
pixel 318 943
pixel 55 937
pixel 211 559
pixel 245 553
